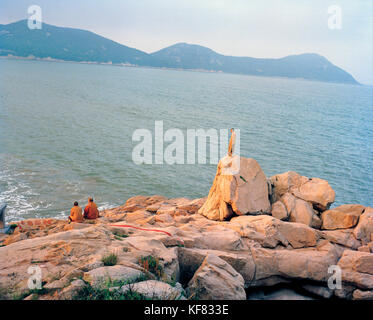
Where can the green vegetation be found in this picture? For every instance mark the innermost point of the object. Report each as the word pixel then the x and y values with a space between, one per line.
pixel 110 260
pixel 243 179
pixel 34 292
pixel 171 282
pixel 36 261
pixel 110 290
pixel 102 293
pixel 89 293
pixel 3 293
pixel 152 265
pixel 120 235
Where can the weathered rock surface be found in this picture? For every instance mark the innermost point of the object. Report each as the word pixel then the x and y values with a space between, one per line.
pixel 279 211
pixel 343 237
pixel 250 250
pixel 56 254
pixel 362 295
pixel 313 190
pixel 72 290
pixel 342 217
pixel 321 291
pixel 298 210
pixel 100 275
pixel 277 266
pixel 285 183
pixel 270 232
pixel 364 229
pixel 317 191
pixel 191 259
pixel 215 279
pixel 357 269
pixel 302 212
pixel 311 264
pixel 245 192
pixel 153 289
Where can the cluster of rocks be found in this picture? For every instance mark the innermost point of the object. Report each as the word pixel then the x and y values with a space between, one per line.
pixel 250 232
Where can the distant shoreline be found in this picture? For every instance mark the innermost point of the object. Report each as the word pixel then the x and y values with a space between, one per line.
pixel 48 59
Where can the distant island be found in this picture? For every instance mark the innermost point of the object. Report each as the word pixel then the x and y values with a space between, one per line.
pixel 68 44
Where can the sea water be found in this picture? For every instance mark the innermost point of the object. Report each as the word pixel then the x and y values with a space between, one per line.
pixel 66 132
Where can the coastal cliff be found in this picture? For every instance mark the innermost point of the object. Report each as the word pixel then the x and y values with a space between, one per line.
pixel 250 234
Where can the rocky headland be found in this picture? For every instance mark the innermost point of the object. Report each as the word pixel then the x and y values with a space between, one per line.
pixel 249 235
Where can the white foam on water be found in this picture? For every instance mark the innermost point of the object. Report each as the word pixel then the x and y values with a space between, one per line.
pixel 16 193
pixel 105 206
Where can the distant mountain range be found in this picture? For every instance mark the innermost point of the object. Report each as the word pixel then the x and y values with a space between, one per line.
pixel 68 44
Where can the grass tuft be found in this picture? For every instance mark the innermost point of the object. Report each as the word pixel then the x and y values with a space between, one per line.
pixel 108 291
pixel 120 235
pixel 110 260
pixel 104 293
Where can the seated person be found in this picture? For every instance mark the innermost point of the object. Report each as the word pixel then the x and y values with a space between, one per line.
pixel 76 213
pixel 91 211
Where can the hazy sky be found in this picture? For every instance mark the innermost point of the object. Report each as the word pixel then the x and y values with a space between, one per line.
pixel 255 28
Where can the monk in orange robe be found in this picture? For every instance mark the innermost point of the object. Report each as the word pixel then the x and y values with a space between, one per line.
pixel 91 210
pixel 76 213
